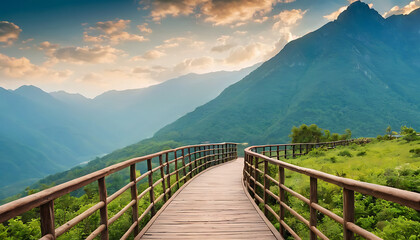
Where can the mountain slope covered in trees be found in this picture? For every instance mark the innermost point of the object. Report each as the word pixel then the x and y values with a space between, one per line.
pixel 360 72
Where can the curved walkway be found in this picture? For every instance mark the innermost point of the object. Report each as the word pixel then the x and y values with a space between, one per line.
pixel 212 206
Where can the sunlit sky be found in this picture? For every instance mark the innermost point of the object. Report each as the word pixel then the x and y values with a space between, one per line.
pixel 92 46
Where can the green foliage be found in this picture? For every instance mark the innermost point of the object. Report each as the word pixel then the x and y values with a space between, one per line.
pixel 345 153
pixel 387 163
pixel 388 130
pixel 416 152
pixel 409 134
pixel 305 134
pixel 317 152
pixel 314 134
pixel 361 153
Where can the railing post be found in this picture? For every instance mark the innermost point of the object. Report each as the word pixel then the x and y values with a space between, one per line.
pixel 195 160
pixel 282 198
pixel 214 156
pixel 162 175
pixel 293 149
pixel 190 164
pixel 266 185
pixel 300 149
pixel 225 150
pixel 176 169
pixel 47 218
pixel 135 209
pixel 255 176
pixel 103 210
pixel 278 152
pixel 285 151
pixel 168 177
pixel 307 149
pixel 184 171
pixel 151 192
pixel 348 212
pixel 313 212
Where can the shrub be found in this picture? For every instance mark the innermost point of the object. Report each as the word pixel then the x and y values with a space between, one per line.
pixel 361 153
pixel 345 153
pixel 416 152
pixel 317 152
pixel 332 159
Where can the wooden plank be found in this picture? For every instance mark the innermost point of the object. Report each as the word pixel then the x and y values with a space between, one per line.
pixel 212 206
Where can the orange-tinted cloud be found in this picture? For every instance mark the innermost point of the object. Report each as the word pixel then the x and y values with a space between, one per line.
pixel 22 68
pixel 407 9
pixel 9 32
pixel 112 31
pixel 95 54
pixel 217 12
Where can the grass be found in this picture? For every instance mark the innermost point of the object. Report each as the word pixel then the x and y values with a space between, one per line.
pixel 394 163
pixel 365 163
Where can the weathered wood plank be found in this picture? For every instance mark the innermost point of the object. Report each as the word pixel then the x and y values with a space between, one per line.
pixel 213 206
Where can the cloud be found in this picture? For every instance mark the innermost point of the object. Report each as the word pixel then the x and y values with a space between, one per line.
pixel 253 51
pixel 223 44
pixel 163 8
pixel 407 9
pixel 149 55
pixel 111 27
pixel 22 68
pixel 217 12
pixel 178 41
pixel 194 65
pixel 27 40
pixel 223 47
pixel 112 31
pixel 88 38
pixel 9 33
pixel 125 36
pixel 334 15
pixel 240 32
pixel 48 48
pixel 288 18
pixel 95 54
pixel 221 12
pixel 144 28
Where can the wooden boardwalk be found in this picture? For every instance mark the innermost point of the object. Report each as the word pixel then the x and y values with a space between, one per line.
pixel 212 206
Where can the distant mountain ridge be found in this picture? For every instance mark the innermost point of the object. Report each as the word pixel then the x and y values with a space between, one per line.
pixel 43 133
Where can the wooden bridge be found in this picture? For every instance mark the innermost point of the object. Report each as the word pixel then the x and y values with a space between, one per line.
pixel 207 192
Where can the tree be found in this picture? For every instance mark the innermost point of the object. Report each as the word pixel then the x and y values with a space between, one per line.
pixel 305 134
pixel 314 134
pixel 388 130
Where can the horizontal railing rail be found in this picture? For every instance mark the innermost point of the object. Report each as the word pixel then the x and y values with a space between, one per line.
pixel 183 163
pixel 257 155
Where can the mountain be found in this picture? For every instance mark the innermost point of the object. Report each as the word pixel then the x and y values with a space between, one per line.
pixel 137 114
pixel 42 133
pixel 360 72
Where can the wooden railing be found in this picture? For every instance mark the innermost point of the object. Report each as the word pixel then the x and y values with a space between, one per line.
pixel 271 155
pixel 183 163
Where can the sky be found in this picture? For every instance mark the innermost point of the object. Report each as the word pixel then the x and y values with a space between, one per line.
pixel 93 46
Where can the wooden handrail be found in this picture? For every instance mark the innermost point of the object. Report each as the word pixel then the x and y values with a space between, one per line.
pixel 255 155
pixel 198 155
